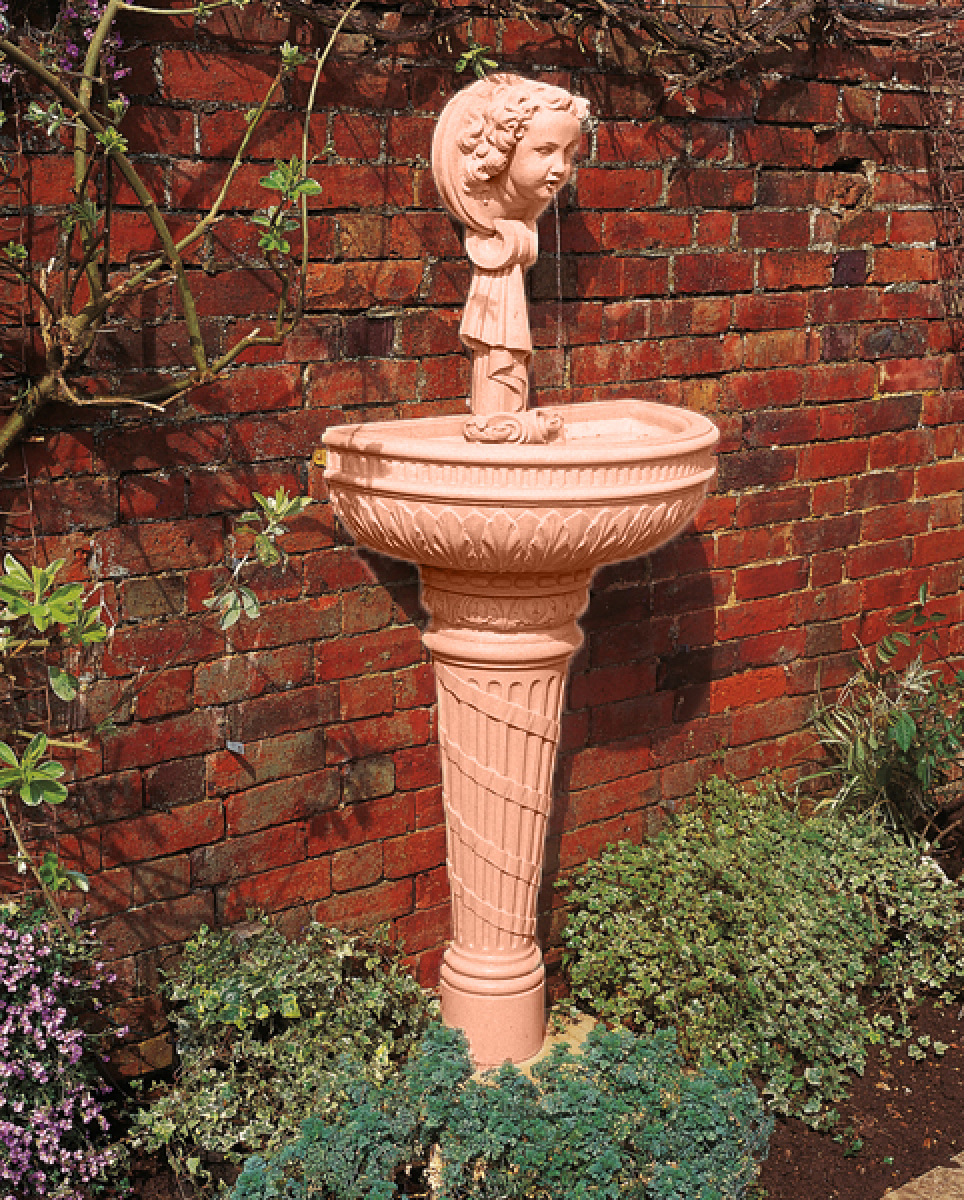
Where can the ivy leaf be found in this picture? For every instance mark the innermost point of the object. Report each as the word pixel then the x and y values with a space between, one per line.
pixel 289 1006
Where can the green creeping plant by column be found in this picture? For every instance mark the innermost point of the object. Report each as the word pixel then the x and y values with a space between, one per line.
pixel 75 291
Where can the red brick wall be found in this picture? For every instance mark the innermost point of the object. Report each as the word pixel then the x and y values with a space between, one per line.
pixel 767 258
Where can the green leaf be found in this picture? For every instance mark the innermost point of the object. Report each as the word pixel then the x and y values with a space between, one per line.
pixel 904 730
pixel 268 553
pixel 62 683
pixel 231 611
pixel 249 600
pixel 112 141
pixel 35 750
pixel 289 1006
pixel 38 790
pixel 7 755
pixel 15 574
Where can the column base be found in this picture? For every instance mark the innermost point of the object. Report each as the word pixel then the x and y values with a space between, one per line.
pixel 499 1028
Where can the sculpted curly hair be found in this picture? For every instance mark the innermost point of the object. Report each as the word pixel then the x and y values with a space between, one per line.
pixel 489 140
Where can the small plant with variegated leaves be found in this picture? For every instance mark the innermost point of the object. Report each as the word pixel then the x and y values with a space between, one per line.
pixel 893 738
pixel 233 598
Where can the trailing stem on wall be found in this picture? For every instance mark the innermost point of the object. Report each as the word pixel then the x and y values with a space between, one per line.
pixel 684 41
pixel 75 292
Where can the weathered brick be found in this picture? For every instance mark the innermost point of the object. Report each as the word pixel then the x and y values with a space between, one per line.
pixel 282 802
pixel 938 478
pixel 367 907
pixel 161 546
pixel 250 854
pixel 158 834
pixel 794 101
pixel 363 738
pixel 165 923
pixel 274 758
pixel 614 276
pixel 357 867
pixel 371 820
pixel 946 545
pixel 245 676
pixel 174 737
pixel 773 579
pixel 906 449
pixel 619 188
pixel 724 272
pixel 647 231
pixel 275 890
pixel 774 230
pixel 749 688
pixel 879 558
pixel 313 619
pixel 654 141
pixel 366 696
pixel 165 693
pixel 136 648
pixel 174 783
pixel 704 187
pixel 414 853
pixel 152 596
pixel 384 650
pixel 795 269
pixel 830 459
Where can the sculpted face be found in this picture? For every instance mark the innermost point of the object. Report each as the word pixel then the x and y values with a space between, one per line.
pixel 542 160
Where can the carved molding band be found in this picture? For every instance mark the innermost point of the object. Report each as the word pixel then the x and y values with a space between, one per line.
pixel 506 613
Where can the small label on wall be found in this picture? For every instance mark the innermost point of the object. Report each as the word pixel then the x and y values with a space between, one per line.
pixel 235 747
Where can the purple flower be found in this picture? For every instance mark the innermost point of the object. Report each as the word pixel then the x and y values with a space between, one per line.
pixel 51 1107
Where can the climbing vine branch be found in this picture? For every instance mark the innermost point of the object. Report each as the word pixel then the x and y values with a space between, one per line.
pixel 75 292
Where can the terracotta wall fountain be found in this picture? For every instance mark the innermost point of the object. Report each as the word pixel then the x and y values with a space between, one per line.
pixel 508 512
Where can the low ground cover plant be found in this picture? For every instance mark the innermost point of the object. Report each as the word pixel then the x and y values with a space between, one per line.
pixel 261 1023
pixel 54 1137
pixel 788 943
pixel 621 1118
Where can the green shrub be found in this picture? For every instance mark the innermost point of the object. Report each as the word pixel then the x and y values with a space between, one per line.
pixel 785 943
pixel 261 1023
pixel 893 737
pixel 620 1119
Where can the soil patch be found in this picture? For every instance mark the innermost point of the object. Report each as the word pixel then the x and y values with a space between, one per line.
pixel 904 1117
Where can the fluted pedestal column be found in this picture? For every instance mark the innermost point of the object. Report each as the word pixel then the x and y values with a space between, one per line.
pixel 502 645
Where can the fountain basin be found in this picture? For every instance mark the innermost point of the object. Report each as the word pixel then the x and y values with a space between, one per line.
pixel 628 476
pixel 507 537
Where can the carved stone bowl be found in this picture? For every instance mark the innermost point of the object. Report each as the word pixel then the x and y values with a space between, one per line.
pixel 624 478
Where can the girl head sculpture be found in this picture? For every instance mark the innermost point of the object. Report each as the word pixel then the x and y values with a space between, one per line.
pixel 503 147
